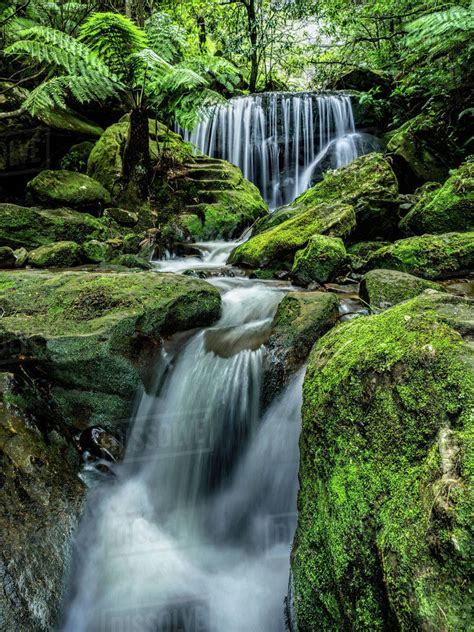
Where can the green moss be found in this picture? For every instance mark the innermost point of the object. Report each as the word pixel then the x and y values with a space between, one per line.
pixel 277 246
pixel 321 261
pixel 428 256
pixel 383 533
pixel 31 227
pixel 96 251
pixel 384 288
pixel 446 209
pixel 77 157
pixel 132 261
pixel 62 254
pixel 67 188
pixel 368 184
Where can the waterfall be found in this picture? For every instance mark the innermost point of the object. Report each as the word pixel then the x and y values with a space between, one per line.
pixel 193 533
pixel 281 141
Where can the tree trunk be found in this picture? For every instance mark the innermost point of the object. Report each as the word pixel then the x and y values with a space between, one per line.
pixel 136 158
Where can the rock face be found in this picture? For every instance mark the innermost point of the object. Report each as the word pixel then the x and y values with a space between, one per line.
pixel 62 254
pixel 384 288
pixel 428 256
pixel 67 188
pixel 368 184
pixel 92 335
pixel 385 502
pixel 210 196
pixel 276 247
pixel 301 319
pixel 421 151
pixel 21 226
pixel 446 209
pixel 41 500
pixel 321 261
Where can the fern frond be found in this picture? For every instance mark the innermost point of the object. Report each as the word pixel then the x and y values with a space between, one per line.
pixel 165 37
pixel 114 38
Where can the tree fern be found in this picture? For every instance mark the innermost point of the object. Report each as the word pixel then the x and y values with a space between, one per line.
pixel 165 37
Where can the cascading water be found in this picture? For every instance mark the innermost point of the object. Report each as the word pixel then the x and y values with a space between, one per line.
pixel 282 141
pixel 193 532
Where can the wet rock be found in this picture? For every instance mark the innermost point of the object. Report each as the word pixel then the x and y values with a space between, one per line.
pixel 67 188
pixel 277 246
pixel 62 254
pixel 322 260
pixel 444 209
pixel 301 319
pixel 41 500
pixel 383 288
pixel 428 256
pixel 368 184
pixel 421 151
pixel 97 443
pixel 7 257
pixel 92 337
pixel 25 227
pixel 382 536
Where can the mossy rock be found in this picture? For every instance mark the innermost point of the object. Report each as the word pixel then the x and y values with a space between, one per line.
pixel 428 256
pixel 277 246
pixel 421 151
pixel 67 188
pixel 121 216
pixel 384 288
pixel 7 257
pixel 96 251
pixel 359 253
pixel 384 538
pixel 321 261
pixel 62 254
pixel 26 227
pixel 446 209
pixel 70 121
pixel 95 334
pixel 42 499
pixel 368 184
pixel 21 257
pixel 301 319
pixel 77 157
pixel 132 261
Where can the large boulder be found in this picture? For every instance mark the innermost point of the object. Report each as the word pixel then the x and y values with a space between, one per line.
pixel 421 151
pixel 384 288
pixel 428 256
pixel 321 261
pixel 368 184
pixel 42 498
pixel 92 335
pixel 77 156
pixel 62 254
pixel 276 247
pixel 359 253
pixel 67 188
pixel 384 538
pixel 26 227
pixel 446 209
pixel 301 319
pixel 211 197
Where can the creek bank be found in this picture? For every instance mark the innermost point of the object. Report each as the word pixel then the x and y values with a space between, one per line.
pixel 385 486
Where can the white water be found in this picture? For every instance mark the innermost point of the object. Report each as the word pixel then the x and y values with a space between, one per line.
pixel 281 141
pixel 194 531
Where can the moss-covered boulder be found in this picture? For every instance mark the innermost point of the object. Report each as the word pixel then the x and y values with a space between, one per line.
pixel 24 227
pixel 76 158
pixel 321 261
pixel 131 261
pixel 301 319
pixel 446 209
pixel 421 151
pixel 368 184
pixel 428 256
pixel 67 188
pixel 277 246
pixel 7 257
pixel 95 251
pixel 384 538
pixel 42 498
pixel 384 288
pixel 359 253
pixel 62 254
pixel 92 335
pixel 121 216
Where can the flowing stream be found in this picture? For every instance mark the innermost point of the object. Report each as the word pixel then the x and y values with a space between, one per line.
pixel 282 141
pixel 193 531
